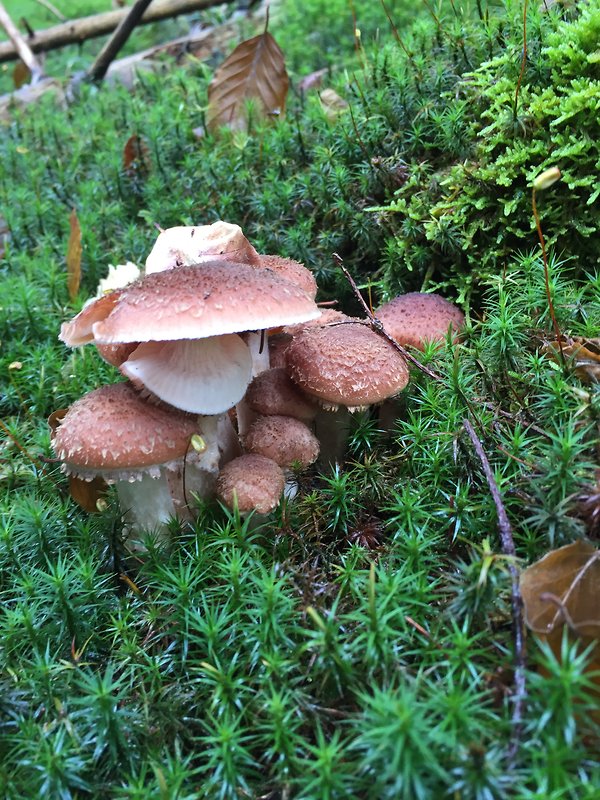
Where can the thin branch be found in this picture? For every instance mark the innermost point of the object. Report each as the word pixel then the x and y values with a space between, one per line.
pixel 508 548
pixel 52 9
pixel 117 40
pixel 377 325
pixel 25 52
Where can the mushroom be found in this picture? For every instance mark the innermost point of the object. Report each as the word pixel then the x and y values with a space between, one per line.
pixel 287 441
pixel 345 367
pixel 147 451
pixel 274 392
pixel 193 303
pixel 417 317
pixel 251 483
pixel 292 271
pixel 187 246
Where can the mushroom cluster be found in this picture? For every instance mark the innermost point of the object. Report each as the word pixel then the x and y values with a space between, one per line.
pixel 205 409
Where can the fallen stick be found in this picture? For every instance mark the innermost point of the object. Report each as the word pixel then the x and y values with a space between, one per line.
pixel 22 49
pixel 508 548
pixel 79 30
pixel 110 50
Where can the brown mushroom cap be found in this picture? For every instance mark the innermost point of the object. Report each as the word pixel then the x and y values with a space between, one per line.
pixel 417 317
pixel 348 365
pixel 286 440
pixel 113 432
pixel 292 271
pixel 254 481
pixel 274 392
pixel 207 300
pixel 79 330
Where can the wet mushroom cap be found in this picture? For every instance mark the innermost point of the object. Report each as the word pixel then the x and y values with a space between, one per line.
pixel 255 482
pixel 213 298
pixel 274 392
pixel 327 317
pixel 113 430
pixel 347 365
pixel 286 440
pixel 79 330
pixel 418 317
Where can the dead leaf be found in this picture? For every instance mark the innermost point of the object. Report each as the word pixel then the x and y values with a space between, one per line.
pixel 332 103
pixel 254 71
pixel 21 74
pixel 582 354
pixel 312 81
pixel 560 591
pixel 563 587
pixel 74 256
pixel 136 157
pixel 87 493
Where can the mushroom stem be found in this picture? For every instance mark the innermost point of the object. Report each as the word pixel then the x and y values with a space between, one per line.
pixel 332 429
pixel 148 504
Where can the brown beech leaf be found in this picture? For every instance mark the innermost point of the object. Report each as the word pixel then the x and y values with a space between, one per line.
pixel 74 256
pixel 136 156
pixel 254 71
pixel 87 493
pixel 21 74
pixel 562 588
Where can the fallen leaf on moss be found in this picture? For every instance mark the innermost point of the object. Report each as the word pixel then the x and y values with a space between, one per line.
pixel 21 74
pixel 332 103
pixel 254 71
pixel 136 157
pixel 87 494
pixel 582 354
pixel 562 590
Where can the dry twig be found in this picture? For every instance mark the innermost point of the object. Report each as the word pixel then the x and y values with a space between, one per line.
pixel 508 548
pixel 377 325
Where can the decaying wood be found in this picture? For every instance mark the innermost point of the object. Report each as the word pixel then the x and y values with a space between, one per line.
pixel 79 30
pixel 110 50
pixel 22 49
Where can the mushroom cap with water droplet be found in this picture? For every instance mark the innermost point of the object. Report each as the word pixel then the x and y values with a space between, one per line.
pixel 207 300
pixel 113 432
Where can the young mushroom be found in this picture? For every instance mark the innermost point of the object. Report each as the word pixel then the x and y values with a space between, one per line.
pixel 252 483
pixel 287 441
pixel 159 458
pixel 345 367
